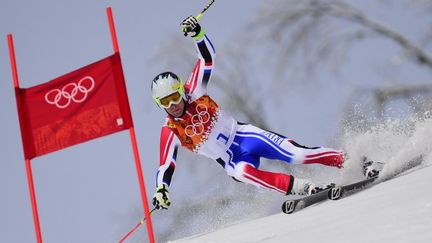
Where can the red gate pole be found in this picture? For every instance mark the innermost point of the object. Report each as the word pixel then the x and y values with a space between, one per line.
pixel 27 161
pixel 134 142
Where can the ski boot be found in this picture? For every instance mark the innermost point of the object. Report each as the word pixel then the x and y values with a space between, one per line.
pixel 303 187
pixel 306 187
pixel 371 168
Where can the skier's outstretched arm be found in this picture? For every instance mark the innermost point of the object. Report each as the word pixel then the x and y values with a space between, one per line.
pixel 168 154
pixel 201 74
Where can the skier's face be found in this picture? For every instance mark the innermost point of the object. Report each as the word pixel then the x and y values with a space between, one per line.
pixel 176 110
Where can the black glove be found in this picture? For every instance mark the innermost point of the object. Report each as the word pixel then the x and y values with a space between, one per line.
pixel 190 26
pixel 161 198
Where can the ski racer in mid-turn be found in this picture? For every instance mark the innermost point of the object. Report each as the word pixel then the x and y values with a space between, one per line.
pixel 196 122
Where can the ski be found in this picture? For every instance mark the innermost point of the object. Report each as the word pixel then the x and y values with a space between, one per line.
pixel 338 192
pixel 333 193
pixel 291 206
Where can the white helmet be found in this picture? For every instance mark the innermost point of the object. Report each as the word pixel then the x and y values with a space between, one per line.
pixel 167 88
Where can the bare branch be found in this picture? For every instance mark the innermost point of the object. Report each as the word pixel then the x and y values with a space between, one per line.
pixel 345 11
pixel 307 31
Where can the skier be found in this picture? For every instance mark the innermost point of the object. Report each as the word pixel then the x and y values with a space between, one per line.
pixel 196 122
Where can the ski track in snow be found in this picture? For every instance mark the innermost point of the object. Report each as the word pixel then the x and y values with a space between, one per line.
pixel 383 213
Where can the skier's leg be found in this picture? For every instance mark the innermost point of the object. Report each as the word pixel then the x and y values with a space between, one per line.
pixel 283 183
pixel 247 173
pixel 243 167
pixel 270 145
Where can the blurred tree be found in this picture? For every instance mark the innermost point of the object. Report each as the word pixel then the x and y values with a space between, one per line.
pixel 310 34
pixel 318 31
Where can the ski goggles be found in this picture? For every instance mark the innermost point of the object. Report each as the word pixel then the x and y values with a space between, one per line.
pixel 167 101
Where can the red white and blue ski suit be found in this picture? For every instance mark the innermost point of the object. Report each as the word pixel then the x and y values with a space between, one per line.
pixel 207 130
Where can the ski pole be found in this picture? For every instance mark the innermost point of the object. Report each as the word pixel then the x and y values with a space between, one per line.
pixel 198 17
pixel 141 222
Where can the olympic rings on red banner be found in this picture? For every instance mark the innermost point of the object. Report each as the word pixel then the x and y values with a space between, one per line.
pixel 70 92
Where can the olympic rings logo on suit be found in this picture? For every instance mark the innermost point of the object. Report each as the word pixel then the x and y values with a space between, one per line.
pixel 198 120
pixel 70 92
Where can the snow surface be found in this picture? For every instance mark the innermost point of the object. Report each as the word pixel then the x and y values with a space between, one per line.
pixel 397 210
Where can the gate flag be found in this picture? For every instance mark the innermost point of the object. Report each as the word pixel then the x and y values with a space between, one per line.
pixel 84 104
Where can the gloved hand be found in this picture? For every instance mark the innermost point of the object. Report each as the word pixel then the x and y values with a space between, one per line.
pixel 190 26
pixel 161 198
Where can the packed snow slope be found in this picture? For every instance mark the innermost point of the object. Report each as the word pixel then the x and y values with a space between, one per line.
pixel 396 210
